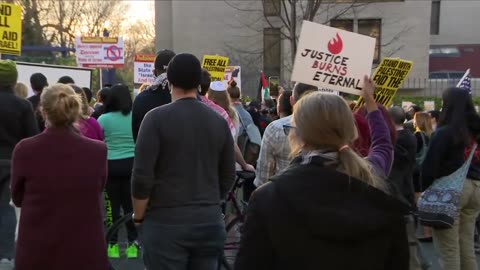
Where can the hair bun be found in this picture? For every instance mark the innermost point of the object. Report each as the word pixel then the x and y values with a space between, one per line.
pixel 232 83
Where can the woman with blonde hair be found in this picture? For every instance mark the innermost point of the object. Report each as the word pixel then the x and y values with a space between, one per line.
pixel 60 190
pixel 21 90
pixel 88 126
pixel 330 208
pixel 219 95
pixel 423 133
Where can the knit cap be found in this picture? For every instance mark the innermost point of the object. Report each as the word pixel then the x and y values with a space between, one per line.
pixel 184 71
pixel 8 73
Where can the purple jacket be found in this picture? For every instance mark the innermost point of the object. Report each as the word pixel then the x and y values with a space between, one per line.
pixel 59 192
pixel 90 128
pixel 381 150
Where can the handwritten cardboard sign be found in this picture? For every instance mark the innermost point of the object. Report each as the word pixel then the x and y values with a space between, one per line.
pixel 333 58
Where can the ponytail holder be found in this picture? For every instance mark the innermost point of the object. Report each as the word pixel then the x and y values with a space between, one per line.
pixel 343 148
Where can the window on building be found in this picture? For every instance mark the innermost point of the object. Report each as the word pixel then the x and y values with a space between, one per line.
pixel 271 7
pixel 372 28
pixel 444 52
pixel 346 25
pixel 271 51
pixel 368 27
pixel 362 1
pixel 435 18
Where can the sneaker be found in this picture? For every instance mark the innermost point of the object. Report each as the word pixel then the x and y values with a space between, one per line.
pixel 6 264
pixel 114 251
pixel 132 251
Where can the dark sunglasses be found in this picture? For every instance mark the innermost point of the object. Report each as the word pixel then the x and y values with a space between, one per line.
pixel 287 128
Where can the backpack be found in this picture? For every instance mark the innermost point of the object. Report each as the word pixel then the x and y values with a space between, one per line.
pixel 249 142
pixel 423 153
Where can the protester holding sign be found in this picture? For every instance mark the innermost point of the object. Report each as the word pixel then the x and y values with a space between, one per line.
pixel 298 222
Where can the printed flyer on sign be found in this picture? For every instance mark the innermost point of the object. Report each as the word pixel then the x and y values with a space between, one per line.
pixel 234 72
pixel 388 77
pixel 143 67
pixel 216 65
pixel 100 52
pixel 10 29
pixel 333 58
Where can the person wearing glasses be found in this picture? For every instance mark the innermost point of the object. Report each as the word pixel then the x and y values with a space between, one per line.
pixel 274 154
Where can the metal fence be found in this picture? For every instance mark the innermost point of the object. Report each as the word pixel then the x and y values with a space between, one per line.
pixel 432 87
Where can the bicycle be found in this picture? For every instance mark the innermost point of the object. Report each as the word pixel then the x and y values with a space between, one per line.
pixel 234 226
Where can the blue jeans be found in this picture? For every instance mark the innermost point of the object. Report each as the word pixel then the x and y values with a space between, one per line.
pixel 8 220
pixel 182 247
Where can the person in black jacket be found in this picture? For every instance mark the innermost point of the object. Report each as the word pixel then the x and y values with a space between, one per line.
pixel 156 95
pixel 17 122
pixel 330 209
pixel 401 177
pixel 458 127
pixel 38 81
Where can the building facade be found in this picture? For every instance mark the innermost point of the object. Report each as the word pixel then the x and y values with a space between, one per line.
pixel 253 33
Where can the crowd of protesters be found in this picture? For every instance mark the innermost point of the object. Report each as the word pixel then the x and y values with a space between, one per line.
pixel 336 185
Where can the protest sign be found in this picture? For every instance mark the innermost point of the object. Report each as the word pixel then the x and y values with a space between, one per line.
pixel 100 52
pixel 234 72
pixel 333 58
pixel 10 29
pixel 429 105
pixel 388 77
pixel 143 67
pixel 216 65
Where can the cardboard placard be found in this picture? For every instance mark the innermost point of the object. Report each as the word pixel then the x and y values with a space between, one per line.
pixel 216 65
pixel 100 52
pixel 429 105
pixel 388 77
pixel 10 29
pixel 234 72
pixel 143 67
pixel 333 58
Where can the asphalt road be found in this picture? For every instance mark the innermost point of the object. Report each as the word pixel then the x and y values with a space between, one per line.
pixel 129 264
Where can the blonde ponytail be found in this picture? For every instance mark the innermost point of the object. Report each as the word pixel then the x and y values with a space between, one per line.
pixel 325 122
pixel 61 105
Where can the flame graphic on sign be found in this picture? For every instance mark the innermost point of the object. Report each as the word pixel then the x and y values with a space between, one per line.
pixel 335 45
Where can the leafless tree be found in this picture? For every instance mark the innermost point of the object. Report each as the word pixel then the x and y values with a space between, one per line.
pixel 288 15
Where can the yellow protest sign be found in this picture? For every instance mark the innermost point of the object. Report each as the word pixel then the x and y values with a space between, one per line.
pixel 10 29
pixel 388 77
pixel 216 65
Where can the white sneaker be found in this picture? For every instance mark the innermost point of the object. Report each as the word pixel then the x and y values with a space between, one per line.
pixel 6 264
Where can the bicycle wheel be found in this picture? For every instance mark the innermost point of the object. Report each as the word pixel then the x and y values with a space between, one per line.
pixel 123 262
pixel 232 242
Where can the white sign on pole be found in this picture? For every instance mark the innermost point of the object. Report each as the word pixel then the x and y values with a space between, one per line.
pixel 143 67
pixel 333 58
pixel 100 52
pixel 234 72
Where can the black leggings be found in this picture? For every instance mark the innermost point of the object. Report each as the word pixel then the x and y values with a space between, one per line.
pixel 119 193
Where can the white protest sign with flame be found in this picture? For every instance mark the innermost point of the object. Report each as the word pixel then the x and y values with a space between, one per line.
pixel 333 58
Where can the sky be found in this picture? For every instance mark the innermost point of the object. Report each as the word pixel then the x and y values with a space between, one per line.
pixel 141 9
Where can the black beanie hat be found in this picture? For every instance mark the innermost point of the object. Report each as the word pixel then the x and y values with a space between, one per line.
pixel 184 71
pixel 162 59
